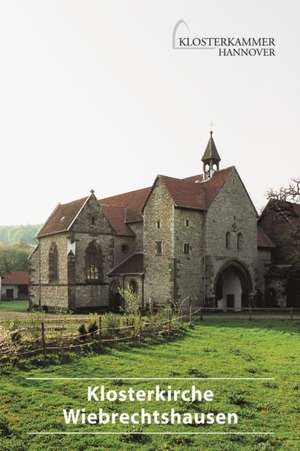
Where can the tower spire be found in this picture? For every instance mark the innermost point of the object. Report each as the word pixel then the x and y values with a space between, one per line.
pixel 211 158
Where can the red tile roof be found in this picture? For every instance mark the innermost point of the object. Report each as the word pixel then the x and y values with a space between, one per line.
pixel 122 209
pixel 15 278
pixel 62 217
pixel 192 192
pixel 134 264
pixel 263 241
pixel 133 200
pixel 116 216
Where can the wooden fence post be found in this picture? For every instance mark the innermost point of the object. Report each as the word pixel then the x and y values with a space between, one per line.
pixel 169 321
pixel 43 338
pixel 99 326
pixel 201 314
pixel 141 325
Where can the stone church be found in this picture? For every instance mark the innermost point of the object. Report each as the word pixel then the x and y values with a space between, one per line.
pixel 196 237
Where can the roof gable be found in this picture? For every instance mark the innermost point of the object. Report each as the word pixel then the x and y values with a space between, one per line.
pixel 193 192
pixel 62 217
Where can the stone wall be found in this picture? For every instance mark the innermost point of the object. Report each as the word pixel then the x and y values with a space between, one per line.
pixel 123 247
pixel 263 265
pixel 231 211
pixel 137 228
pixel 90 226
pixel 54 295
pixel 34 274
pixel 159 270
pixel 189 228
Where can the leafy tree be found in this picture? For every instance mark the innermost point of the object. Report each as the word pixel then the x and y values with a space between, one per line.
pixel 131 300
pixel 14 257
pixel 19 233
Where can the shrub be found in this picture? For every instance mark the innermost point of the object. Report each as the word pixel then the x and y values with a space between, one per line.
pixel 82 332
pixel 93 329
pixel 131 300
pixel 111 323
pixel 5 429
pixel 15 337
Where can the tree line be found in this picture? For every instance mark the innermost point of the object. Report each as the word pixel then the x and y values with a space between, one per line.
pixel 16 244
pixel 19 234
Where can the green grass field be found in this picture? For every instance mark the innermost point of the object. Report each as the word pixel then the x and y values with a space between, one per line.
pixel 13 306
pixel 213 348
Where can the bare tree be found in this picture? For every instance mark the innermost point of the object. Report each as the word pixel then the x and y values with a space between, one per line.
pixel 290 193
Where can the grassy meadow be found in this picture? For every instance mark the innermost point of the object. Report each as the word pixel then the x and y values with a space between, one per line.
pixel 212 348
pixel 13 306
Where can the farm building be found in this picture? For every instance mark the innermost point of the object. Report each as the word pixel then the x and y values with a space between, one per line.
pixel 197 238
pixel 14 285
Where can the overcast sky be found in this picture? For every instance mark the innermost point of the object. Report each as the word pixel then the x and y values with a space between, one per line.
pixel 93 96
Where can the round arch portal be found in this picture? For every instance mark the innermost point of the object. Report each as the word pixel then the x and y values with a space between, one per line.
pixel 233 285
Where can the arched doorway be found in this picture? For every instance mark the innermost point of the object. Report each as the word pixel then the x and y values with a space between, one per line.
pixel 233 286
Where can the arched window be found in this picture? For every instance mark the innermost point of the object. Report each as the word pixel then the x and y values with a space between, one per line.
pixel 53 263
pixel 93 263
pixel 240 241
pixel 228 240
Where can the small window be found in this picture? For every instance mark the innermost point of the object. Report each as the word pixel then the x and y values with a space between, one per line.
pixel 240 241
pixel 158 224
pixel 187 223
pixel 93 220
pixel 124 248
pixel 186 248
pixel 158 247
pixel 228 240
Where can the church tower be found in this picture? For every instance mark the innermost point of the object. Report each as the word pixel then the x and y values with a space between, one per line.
pixel 211 159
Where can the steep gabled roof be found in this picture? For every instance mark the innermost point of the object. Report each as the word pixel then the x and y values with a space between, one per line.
pixel 288 212
pixel 134 264
pixel 62 217
pixel 133 200
pixel 263 241
pixel 15 278
pixel 116 217
pixel 193 192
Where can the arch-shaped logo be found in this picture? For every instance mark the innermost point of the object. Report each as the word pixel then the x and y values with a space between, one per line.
pixel 180 23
